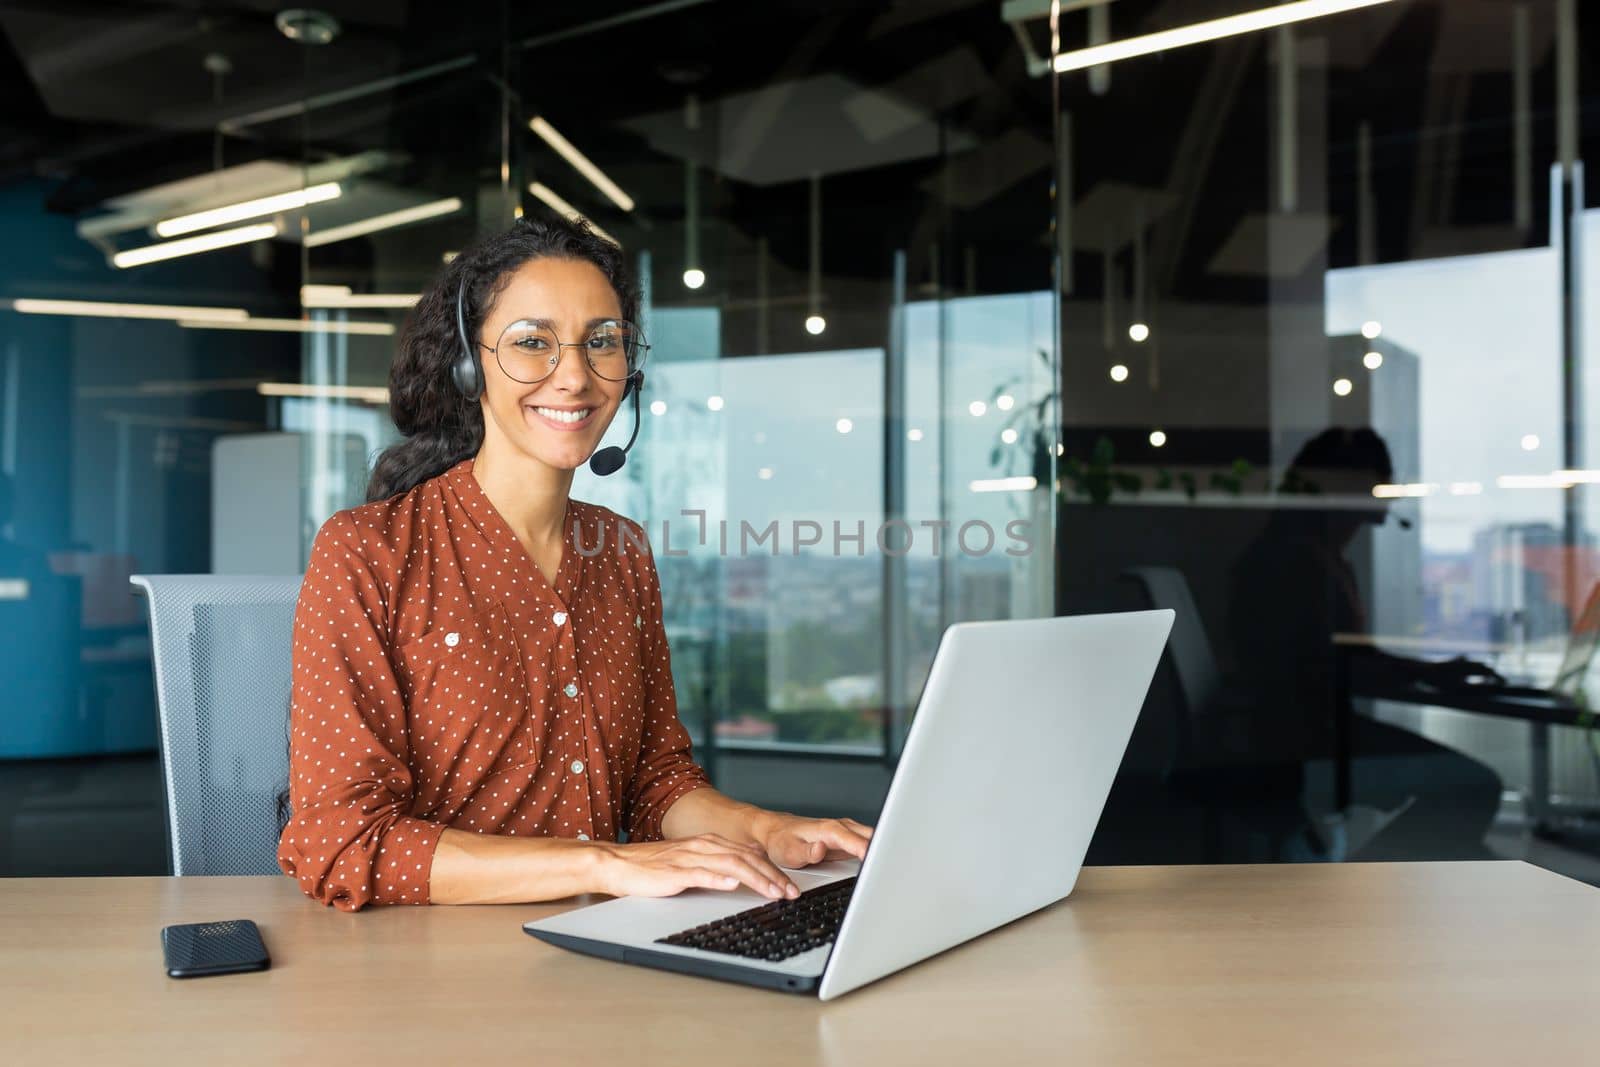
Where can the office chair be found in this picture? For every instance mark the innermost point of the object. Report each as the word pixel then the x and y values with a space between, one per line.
pixel 1189 650
pixel 221 647
pixel 1292 832
pixel 1238 795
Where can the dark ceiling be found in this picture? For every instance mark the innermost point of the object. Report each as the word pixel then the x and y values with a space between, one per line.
pixel 950 141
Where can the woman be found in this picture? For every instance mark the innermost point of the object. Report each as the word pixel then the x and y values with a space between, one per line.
pixel 479 707
pixel 1294 590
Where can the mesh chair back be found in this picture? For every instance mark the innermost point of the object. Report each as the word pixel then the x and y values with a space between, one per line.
pixel 1189 648
pixel 222 645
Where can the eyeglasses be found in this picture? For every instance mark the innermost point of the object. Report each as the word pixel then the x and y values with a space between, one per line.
pixel 529 350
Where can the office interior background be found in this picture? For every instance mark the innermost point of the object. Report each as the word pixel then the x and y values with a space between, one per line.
pixel 901 271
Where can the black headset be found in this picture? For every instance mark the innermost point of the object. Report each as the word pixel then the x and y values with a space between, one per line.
pixel 467 374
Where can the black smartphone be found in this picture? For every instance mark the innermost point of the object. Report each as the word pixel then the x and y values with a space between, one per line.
pixel 196 949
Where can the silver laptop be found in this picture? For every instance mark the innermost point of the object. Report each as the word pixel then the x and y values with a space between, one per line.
pixel 1005 771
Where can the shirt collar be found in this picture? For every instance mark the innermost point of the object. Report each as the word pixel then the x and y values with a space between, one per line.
pixel 494 528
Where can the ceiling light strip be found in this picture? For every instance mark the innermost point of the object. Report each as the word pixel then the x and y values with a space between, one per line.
pixel 248 209
pixel 314 291
pixel 552 198
pixel 188 246
pixel 1387 491
pixel 340 296
pixel 1214 29
pixel 374 329
pixel 372 394
pixel 1533 481
pixel 580 163
pixel 1020 484
pixel 388 221
pixel 105 310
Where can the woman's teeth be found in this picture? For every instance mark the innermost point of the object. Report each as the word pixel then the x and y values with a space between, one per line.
pixel 564 416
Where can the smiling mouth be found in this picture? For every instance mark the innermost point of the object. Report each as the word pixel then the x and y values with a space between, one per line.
pixel 562 418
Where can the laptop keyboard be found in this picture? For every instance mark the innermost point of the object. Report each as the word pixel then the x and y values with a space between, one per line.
pixel 776 931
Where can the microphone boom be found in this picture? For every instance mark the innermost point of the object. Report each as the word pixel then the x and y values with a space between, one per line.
pixel 609 460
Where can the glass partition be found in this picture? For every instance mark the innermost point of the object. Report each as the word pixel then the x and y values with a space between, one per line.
pixel 849 291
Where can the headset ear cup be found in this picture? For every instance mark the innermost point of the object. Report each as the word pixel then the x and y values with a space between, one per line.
pixel 464 372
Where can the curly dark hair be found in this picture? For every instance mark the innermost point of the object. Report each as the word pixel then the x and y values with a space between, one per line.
pixel 441 427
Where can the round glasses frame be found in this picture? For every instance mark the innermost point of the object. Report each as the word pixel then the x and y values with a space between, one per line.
pixel 635 351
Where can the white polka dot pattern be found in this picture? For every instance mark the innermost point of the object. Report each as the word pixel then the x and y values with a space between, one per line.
pixel 440 680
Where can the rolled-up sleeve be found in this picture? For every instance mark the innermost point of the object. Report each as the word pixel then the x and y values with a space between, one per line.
pixel 665 771
pixel 350 840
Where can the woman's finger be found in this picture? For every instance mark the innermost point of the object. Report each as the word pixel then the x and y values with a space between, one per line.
pixel 759 875
pixel 657 879
pixel 749 851
pixel 702 878
pixel 836 835
pixel 709 849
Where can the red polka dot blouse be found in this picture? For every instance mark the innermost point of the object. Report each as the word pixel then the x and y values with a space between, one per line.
pixel 440 680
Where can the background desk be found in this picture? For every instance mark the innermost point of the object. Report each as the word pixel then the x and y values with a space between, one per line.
pixel 1489 963
pixel 1540 713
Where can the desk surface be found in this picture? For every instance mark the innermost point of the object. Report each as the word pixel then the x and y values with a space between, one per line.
pixel 1552 709
pixel 1427 645
pixel 1356 963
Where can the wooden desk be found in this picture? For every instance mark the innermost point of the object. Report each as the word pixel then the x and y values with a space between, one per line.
pixel 1489 963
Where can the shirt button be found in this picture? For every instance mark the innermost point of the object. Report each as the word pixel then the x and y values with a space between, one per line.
pixel 452 639
pixel 577 766
pixel 559 618
pixel 583 837
pixel 571 690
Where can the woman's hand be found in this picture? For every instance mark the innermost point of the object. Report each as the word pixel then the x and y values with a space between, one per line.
pixel 705 861
pixel 1459 671
pixel 792 841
